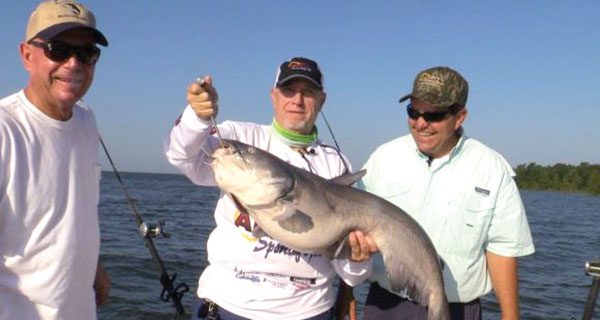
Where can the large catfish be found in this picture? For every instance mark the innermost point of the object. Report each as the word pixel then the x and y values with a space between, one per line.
pixel 310 214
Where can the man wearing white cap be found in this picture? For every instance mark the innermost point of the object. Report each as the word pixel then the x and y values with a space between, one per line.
pixel 49 173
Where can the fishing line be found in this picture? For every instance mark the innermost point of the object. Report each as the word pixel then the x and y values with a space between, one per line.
pixel 148 232
pixel 330 131
pixel 337 146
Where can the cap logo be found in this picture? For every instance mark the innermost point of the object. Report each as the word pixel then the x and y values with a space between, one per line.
pixel 75 11
pixel 299 65
pixel 431 80
pixel 73 8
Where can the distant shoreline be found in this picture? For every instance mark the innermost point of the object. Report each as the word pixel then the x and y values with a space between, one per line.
pixel 583 178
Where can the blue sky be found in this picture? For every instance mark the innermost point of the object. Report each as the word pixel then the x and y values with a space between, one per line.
pixel 533 68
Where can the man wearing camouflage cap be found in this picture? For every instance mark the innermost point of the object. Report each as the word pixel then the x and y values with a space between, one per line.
pixel 49 173
pixel 463 195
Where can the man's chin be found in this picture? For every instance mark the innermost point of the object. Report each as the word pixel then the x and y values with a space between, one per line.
pixel 298 126
pixel 69 96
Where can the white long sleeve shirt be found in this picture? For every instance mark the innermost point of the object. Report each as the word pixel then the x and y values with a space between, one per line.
pixel 258 278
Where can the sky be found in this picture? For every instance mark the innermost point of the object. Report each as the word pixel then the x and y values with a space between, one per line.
pixel 533 69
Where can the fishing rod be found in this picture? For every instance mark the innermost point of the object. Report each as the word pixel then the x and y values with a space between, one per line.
pixel 148 232
pixel 592 269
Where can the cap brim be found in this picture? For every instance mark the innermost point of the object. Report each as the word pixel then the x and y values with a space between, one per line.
pixel 55 30
pixel 406 97
pixel 294 76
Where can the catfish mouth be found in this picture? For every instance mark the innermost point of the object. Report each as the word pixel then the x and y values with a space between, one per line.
pixel 228 148
pixel 227 159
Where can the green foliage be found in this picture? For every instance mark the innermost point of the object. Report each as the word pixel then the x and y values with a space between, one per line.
pixel 583 178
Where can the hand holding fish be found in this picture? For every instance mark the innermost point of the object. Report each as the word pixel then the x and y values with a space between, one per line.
pixel 361 246
pixel 203 98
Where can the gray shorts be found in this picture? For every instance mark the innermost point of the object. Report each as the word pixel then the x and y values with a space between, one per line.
pixel 384 305
pixel 201 312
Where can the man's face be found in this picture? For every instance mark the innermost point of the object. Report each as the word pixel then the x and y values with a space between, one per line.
pixel 55 86
pixel 297 105
pixel 435 139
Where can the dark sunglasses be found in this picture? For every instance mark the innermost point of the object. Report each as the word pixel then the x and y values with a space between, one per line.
pixel 431 116
pixel 59 51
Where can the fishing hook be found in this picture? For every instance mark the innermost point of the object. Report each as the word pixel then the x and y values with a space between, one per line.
pixel 201 82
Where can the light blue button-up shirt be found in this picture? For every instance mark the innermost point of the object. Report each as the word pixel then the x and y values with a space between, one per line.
pixel 467 202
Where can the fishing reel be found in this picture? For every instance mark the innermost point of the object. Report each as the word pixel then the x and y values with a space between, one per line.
pixel 592 268
pixel 153 230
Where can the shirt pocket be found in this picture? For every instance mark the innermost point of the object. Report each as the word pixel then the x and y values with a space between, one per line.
pixel 397 194
pixel 467 224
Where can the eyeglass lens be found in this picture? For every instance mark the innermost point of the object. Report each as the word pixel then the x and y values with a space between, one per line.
pixel 289 92
pixel 427 116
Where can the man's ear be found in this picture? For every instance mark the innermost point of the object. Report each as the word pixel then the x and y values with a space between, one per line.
pixel 462 116
pixel 273 97
pixel 322 101
pixel 26 55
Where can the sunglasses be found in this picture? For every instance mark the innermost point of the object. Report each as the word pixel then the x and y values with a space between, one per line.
pixel 290 92
pixel 431 116
pixel 59 51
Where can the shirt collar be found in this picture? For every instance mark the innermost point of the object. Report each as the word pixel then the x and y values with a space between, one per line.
pixel 439 162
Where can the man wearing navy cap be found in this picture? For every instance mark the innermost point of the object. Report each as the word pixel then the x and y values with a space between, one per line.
pixel 257 277
pixel 49 173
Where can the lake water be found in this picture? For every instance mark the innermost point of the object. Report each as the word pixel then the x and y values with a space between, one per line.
pixel 553 283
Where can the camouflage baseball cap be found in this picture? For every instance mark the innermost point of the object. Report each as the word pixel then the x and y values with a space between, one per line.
pixel 439 87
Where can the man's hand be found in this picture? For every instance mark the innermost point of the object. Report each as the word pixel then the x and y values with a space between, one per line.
pixel 203 97
pixel 101 285
pixel 361 246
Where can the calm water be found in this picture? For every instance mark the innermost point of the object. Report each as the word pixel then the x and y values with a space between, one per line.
pixel 553 283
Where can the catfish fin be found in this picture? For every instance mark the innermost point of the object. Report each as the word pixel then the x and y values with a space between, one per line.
pixel 258 232
pixel 348 179
pixel 288 210
pixel 294 221
pixel 400 278
pixel 339 250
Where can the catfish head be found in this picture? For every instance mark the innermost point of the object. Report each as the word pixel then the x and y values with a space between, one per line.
pixel 252 175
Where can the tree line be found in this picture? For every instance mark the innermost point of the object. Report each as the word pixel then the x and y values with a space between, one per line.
pixel 584 178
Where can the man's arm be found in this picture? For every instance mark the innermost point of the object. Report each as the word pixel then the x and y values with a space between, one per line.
pixel 187 146
pixel 346 303
pixel 504 275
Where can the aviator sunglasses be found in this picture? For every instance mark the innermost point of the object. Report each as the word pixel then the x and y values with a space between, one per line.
pixel 59 51
pixel 430 116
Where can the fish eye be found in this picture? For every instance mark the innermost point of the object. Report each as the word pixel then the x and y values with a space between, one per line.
pixel 250 150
